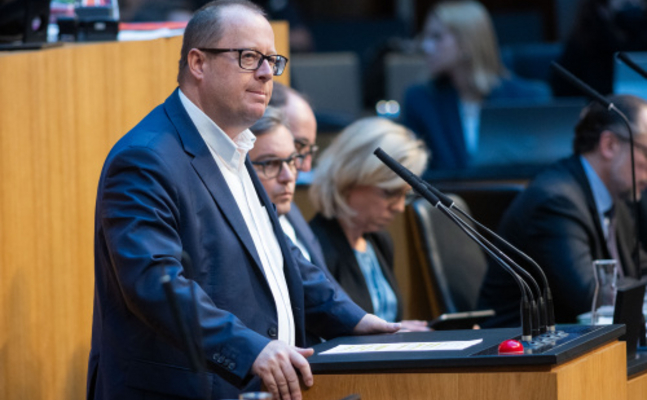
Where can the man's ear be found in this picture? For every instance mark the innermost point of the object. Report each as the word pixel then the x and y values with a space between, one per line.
pixel 196 61
pixel 608 145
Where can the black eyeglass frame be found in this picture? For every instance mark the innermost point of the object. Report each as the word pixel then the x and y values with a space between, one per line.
pixel 302 145
pixel 274 60
pixel 293 159
pixel 639 146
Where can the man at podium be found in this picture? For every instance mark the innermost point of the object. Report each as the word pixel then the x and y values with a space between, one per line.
pixel 178 201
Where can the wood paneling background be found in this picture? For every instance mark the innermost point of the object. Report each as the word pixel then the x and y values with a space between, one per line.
pixel 61 110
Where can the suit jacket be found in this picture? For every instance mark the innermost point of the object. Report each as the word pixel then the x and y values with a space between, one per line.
pixel 163 207
pixel 555 222
pixel 306 236
pixel 432 111
pixel 343 265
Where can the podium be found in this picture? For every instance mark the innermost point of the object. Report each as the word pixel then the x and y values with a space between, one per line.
pixel 589 364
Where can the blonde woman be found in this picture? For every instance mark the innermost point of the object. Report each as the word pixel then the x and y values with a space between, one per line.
pixel 357 197
pixel 466 71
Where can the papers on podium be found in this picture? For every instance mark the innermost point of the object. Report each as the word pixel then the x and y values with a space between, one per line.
pixel 402 346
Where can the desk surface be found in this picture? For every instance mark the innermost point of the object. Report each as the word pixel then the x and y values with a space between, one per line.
pixel 638 365
pixel 580 340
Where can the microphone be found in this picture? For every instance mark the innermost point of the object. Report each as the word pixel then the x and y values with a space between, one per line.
pixel 583 87
pixel 546 305
pixel 421 188
pixel 622 56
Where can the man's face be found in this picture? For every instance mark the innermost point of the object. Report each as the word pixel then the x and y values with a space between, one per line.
pixel 233 97
pixel 277 144
pixel 303 126
pixel 620 166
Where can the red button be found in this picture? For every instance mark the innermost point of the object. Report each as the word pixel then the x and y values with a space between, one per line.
pixel 511 347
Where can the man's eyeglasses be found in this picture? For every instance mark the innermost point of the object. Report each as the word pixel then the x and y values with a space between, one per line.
pixel 251 60
pixel 271 168
pixel 637 145
pixel 306 149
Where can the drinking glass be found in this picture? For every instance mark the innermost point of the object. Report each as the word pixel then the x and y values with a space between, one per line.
pixel 606 286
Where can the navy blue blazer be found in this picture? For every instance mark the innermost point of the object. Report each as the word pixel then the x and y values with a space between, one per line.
pixel 431 111
pixel 306 236
pixel 164 207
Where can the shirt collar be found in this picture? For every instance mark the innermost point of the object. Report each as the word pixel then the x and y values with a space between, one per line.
pixel 601 195
pixel 231 152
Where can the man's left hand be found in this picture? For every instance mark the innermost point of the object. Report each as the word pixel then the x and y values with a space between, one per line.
pixel 371 324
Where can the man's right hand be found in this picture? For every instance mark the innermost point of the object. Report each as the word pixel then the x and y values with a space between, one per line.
pixel 276 364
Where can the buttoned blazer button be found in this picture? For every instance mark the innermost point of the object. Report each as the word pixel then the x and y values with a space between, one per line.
pixel 272 332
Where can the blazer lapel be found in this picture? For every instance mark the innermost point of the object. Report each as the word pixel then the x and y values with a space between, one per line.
pixel 625 237
pixel 206 167
pixel 292 273
pixel 306 236
pixel 575 165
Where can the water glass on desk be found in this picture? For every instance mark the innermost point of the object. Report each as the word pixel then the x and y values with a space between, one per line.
pixel 606 286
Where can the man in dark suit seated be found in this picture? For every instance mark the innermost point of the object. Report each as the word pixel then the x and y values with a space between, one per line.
pixel 178 198
pixel 574 213
pixel 302 123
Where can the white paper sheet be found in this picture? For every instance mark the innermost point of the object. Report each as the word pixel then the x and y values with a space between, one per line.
pixel 405 346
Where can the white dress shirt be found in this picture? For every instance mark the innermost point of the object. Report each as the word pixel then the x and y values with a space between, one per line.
pixel 601 195
pixel 230 157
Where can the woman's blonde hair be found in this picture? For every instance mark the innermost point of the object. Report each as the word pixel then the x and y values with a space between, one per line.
pixel 349 161
pixel 471 24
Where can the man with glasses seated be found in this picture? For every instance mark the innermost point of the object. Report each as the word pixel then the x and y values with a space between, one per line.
pixel 301 121
pixel 575 212
pixel 276 162
pixel 180 207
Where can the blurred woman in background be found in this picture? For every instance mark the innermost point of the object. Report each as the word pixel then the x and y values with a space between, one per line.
pixel 601 28
pixel 357 197
pixel 466 71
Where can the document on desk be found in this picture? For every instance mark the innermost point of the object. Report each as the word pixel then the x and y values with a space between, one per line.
pixel 404 346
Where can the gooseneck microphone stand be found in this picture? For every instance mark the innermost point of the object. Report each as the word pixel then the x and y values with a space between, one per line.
pixel 591 93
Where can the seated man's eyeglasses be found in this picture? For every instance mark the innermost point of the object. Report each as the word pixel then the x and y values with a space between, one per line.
pixel 305 148
pixel 272 167
pixel 251 60
pixel 637 145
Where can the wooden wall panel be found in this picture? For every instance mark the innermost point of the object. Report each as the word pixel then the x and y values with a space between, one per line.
pixel 61 110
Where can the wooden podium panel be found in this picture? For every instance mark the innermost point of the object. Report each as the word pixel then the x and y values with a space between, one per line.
pixel 61 110
pixel 637 387
pixel 598 375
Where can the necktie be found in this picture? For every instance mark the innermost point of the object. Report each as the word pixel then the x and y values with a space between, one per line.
pixel 611 239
